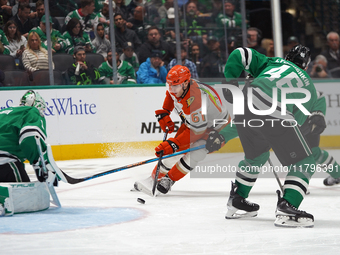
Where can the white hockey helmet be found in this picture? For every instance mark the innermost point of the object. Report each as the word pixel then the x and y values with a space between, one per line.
pixel 31 98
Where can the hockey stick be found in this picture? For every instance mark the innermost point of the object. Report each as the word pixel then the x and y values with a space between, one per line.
pixel 158 166
pixel 55 199
pixel 275 174
pixel 66 178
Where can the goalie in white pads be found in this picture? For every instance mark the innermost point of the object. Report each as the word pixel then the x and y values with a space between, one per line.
pixel 198 105
pixel 21 128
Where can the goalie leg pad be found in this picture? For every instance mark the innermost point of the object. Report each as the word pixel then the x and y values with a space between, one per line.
pixel 29 196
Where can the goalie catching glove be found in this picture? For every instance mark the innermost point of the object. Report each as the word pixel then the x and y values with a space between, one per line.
pixel 168 147
pixel 165 120
pixel 315 124
pixel 214 142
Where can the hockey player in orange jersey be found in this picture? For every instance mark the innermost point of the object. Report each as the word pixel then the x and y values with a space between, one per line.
pixel 199 107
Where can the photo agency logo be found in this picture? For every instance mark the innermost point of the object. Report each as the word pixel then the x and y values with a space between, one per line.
pixel 260 104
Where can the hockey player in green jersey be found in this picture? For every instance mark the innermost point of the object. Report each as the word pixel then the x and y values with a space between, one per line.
pixel 58 42
pixel 274 77
pixel 126 73
pixel 22 128
pixel 323 159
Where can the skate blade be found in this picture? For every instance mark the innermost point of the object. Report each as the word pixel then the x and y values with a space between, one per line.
pixel 234 214
pixel 288 222
pixel 145 186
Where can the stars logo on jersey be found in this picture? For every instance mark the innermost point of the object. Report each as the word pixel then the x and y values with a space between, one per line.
pixel 190 100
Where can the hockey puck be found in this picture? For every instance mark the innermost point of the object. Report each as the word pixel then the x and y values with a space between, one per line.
pixel 140 200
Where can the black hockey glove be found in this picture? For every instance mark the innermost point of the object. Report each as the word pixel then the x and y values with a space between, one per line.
pixel 214 142
pixel 227 93
pixel 40 173
pixel 315 124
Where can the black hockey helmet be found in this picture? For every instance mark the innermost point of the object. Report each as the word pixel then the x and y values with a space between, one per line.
pixel 299 55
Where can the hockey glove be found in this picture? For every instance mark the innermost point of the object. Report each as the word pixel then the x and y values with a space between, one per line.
pixel 214 142
pixel 317 122
pixel 41 174
pixel 168 147
pixel 49 175
pixel 227 93
pixel 165 120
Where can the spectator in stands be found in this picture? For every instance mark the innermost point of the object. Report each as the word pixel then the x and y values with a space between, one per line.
pixel 185 62
pixel 332 52
pixel 4 42
pixel 58 42
pixel 152 16
pixel 5 12
pixel 101 44
pixel 15 7
pixel 40 11
pixel 155 42
pixel 254 39
pixel 152 71
pixel 122 9
pixel 169 28
pixel 25 24
pixel 194 22
pixel 2 48
pixel 34 56
pixel 318 68
pixel 129 55
pixel 216 9
pixel 268 45
pixel 195 57
pixel 163 10
pixel 2 78
pixel 291 43
pixel 104 17
pixel 231 19
pixel 202 6
pixel 125 72
pixel 136 23
pixel 17 42
pixel 82 73
pixel 124 34
pixel 85 15
pixel 212 64
pixel 74 36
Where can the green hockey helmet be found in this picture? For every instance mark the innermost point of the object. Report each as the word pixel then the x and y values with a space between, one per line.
pixel 31 98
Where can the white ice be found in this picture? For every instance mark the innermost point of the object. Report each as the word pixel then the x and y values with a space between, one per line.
pixel 188 220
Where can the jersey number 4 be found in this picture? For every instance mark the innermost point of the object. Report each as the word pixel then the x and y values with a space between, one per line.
pixel 292 80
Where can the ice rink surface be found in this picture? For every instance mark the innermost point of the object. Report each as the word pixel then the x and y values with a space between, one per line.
pixel 102 216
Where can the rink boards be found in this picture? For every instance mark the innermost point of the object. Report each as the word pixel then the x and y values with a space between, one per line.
pixel 104 121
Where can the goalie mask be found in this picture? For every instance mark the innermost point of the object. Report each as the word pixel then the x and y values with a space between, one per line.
pixel 31 98
pixel 299 55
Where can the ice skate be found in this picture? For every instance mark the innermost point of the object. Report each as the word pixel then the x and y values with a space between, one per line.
pixel 165 184
pixel 330 181
pixel 239 207
pixel 144 186
pixel 289 216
